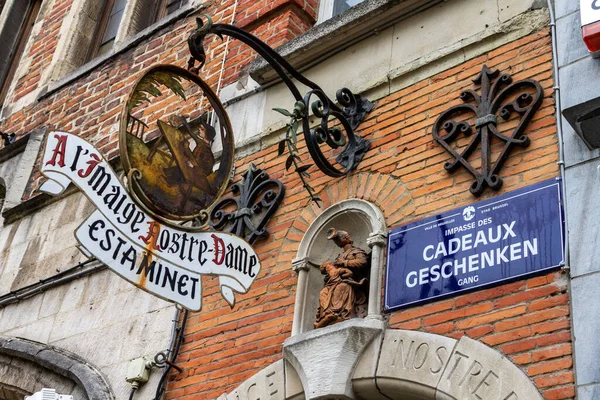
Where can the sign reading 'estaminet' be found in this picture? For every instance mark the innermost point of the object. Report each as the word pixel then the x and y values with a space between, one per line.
pixel 514 235
pixel 164 261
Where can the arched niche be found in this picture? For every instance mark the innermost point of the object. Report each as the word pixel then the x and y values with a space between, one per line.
pixel 366 224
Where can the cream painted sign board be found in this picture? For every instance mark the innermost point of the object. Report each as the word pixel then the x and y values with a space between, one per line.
pixel 161 260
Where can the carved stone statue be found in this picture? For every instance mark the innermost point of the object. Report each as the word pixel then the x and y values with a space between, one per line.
pixel 344 295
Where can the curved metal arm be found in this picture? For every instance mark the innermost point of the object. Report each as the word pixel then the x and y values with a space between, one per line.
pixel 350 112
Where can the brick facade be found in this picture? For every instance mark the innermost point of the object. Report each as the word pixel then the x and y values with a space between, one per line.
pixel 403 174
pixel 527 320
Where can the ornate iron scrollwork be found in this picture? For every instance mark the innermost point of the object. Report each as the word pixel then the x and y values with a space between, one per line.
pixel 246 215
pixel 499 95
pixel 351 110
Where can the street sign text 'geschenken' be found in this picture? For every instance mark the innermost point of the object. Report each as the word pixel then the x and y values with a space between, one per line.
pixel 493 241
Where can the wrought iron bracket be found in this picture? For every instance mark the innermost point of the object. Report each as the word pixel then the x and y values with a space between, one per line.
pixel 348 112
pixel 8 138
pixel 498 95
pixel 254 202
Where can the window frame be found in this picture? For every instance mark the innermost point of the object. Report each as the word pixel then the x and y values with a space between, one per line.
pixel 326 8
pixel 18 47
pixel 102 27
pixel 161 8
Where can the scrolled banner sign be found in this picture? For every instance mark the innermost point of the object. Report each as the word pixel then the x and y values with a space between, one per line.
pixel 161 260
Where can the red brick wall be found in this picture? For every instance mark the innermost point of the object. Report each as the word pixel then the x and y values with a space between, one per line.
pixel 403 174
pixel 42 50
pixel 90 107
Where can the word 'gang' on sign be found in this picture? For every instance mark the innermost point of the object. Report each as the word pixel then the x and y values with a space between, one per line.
pixel 514 235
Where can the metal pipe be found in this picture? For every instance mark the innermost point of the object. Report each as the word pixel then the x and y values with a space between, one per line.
pixel 48 283
pixel 559 130
pixel 220 81
pixel 176 341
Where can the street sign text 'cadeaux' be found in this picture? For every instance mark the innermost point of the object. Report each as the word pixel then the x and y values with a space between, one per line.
pixel 493 241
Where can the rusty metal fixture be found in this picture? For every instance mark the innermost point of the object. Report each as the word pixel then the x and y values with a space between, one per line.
pixel 248 211
pixel 8 138
pixel 161 360
pixel 168 157
pixel 499 96
pixel 345 293
pixel 350 112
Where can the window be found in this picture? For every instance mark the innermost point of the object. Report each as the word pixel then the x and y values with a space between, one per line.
pixel 20 35
pixel 331 8
pixel 107 28
pixel 166 7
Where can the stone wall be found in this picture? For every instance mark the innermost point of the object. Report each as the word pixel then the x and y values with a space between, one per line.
pixel 100 317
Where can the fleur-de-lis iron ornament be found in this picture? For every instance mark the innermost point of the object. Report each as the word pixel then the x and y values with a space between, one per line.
pixel 348 112
pixel 499 95
pixel 247 213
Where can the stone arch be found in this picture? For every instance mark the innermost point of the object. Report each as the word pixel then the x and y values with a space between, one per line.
pixel 414 365
pixel 68 368
pixel 366 223
pixel 386 364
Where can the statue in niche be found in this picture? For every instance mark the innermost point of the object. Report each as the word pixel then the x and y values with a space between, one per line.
pixel 345 293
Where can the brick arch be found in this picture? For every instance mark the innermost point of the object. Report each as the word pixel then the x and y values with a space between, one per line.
pixel 386 191
pixel 389 193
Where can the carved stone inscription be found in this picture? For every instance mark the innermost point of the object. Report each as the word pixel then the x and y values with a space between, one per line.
pixel 417 365
pixel 412 366
pixel 476 371
pixel 411 359
pixel 268 384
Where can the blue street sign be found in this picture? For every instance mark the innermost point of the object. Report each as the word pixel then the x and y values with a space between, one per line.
pixel 514 235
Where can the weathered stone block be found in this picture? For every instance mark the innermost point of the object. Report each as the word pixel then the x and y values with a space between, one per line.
pixel 477 371
pixel 325 358
pixel 583 195
pixel 585 293
pixel 412 363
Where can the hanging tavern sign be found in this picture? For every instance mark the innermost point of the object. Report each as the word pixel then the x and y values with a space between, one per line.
pixel 168 127
pixel 490 242
pixel 150 228
pixel 156 257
